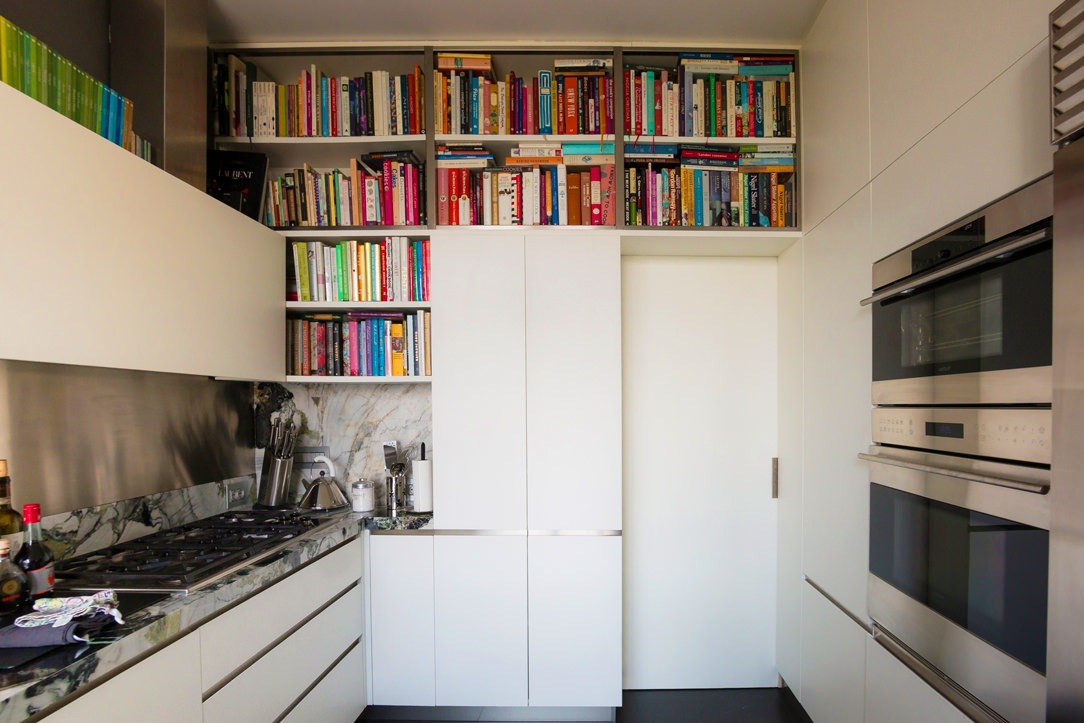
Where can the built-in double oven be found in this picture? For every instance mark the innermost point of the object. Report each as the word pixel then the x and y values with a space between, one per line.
pixel 960 466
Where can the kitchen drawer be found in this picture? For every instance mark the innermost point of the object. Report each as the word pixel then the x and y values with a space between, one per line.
pixel 271 684
pixel 238 636
pixel 339 697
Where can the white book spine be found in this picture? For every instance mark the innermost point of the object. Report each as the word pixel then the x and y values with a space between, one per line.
pixel 404 265
pixel 419 326
pixel 344 106
pixel 409 346
pixel 397 98
pixel 487 198
pixel 353 252
pixel 529 198
pixel 562 195
pixel 504 198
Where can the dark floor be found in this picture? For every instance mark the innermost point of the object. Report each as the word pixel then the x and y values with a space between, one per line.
pixel 737 705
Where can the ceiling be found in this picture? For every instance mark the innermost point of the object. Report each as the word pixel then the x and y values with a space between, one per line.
pixel 734 23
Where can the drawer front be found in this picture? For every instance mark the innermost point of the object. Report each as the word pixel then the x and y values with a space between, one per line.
pixel 339 697
pixel 271 684
pixel 233 639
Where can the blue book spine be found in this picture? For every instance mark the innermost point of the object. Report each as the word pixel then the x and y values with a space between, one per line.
pixel 758 103
pixel 474 81
pixel 365 344
pixel 752 200
pixel 545 102
pixel 325 112
pixel 649 101
pixel 404 102
pixel 725 183
pixel 698 195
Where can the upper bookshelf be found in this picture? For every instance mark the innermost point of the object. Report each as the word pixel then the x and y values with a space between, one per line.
pixel 697 139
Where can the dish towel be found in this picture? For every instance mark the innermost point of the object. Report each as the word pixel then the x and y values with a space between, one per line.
pixel 76 631
pixel 62 620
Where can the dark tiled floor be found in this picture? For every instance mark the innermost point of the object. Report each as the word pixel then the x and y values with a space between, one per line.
pixel 738 705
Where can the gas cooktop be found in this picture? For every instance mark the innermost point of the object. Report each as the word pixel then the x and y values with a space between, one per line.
pixel 188 557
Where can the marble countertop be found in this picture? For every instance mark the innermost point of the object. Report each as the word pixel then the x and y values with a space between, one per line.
pixel 47 681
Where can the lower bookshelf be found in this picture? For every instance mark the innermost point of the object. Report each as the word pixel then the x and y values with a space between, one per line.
pixel 297 379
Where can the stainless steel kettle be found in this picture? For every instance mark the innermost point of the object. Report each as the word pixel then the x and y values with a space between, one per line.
pixel 323 493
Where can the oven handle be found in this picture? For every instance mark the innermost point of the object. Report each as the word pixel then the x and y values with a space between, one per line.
pixel 968 704
pixel 941 272
pixel 1016 484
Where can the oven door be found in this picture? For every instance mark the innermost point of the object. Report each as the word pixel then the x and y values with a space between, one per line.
pixel 958 562
pixel 978 335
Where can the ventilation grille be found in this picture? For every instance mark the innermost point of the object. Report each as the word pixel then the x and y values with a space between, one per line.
pixel 1067 71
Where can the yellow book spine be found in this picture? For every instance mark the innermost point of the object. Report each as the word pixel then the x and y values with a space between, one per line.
pixel 398 345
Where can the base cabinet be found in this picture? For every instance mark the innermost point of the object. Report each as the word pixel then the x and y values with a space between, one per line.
pixel 574 599
pixel 481 620
pixel 339 696
pixel 164 687
pixel 896 695
pixel 401 622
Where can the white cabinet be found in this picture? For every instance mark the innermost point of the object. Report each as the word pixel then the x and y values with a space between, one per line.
pixel 574 599
pixel 479 405
pixel 154 274
pixel 894 694
pixel 401 622
pixel 339 696
pixel 833 662
pixel 164 687
pixel 573 381
pixel 481 620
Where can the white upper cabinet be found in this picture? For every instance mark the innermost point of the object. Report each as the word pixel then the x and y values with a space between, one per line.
pixel 479 415
pixel 574 381
pixel 111 262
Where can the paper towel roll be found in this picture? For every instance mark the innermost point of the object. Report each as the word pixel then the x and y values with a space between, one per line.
pixel 422 470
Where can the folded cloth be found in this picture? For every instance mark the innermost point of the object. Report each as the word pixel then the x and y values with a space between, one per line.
pixel 77 631
pixel 59 611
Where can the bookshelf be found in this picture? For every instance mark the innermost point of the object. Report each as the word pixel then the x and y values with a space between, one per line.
pixel 756 165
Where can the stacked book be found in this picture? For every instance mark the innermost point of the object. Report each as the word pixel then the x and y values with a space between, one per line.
pixel 712 94
pixel 576 97
pixel 32 67
pixel 395 268
pixel 359 344
pixel 744 186
pixel 539 184
pixel 379 189
pixel 375 103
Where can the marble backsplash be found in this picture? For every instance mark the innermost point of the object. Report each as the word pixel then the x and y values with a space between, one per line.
pixel 352 421
pixel 92 528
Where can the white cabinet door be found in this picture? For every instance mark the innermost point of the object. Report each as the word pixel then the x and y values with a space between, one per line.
pixel 574 381
pixel 479 415
pixel 339 697
pixel 481 620
pixel 164 687
pixel 833 662
pixel 896 695
pixel 401 569
pixel 574 604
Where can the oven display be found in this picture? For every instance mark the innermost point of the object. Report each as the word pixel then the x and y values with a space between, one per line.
pixel 984 573
pixel 945 429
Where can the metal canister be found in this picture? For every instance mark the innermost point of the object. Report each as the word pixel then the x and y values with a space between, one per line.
pixel 362 496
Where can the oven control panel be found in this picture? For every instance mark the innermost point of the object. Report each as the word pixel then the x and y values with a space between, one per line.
pixel 1019 435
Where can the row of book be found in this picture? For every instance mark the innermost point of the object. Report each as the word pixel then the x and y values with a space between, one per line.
pixel 395 268
pixel 379 189
pixel 694 196
pixel 374 103
pixel 32 67
pixel 359 344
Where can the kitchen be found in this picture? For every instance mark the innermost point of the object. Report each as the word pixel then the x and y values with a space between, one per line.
pixel 879 173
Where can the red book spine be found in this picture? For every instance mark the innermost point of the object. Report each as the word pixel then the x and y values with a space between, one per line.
pixel 442 196
pixel 425 270
pixel 333 87
pixel 384 270
pixel 453 196
pixel 628 102
pixel 571 111
pixel 596 195
pixel 750 108
pixel 306 349
pixel 385 178
pixel 638 105
pixel 410 177
pixel 657 110
pixel 561 104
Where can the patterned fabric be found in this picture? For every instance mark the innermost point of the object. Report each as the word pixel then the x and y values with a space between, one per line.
pixel 59 611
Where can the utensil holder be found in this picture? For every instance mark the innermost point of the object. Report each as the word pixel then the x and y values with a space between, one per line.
pixel 275 482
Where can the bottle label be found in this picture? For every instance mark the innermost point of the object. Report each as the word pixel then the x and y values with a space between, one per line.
pixel 10 590
pixel 41 580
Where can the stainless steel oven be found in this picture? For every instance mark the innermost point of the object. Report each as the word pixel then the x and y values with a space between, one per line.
pixel 959 538
pixel 963 316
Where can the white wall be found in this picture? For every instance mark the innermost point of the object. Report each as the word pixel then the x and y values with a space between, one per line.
pixel 914 113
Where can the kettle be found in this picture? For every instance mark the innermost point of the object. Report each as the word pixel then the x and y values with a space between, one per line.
pixel 323 494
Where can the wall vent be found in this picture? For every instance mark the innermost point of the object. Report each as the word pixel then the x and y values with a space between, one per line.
pixel 1067 71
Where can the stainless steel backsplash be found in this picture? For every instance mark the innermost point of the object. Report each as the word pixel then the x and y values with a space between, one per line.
pixel 76 437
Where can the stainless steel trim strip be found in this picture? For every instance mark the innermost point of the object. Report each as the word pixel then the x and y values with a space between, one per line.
pixel 1001 682
pixel 971 706
pixel 955 267
pixel 1015 434
pixel 1027 385
pixel 574 533
pixel 864 624
pixel 1010 504
pixel 493 533
pixel 1015 484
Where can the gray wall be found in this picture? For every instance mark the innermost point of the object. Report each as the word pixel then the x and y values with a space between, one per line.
pixel 77 30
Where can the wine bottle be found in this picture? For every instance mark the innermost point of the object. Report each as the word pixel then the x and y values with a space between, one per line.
pixel 34 557
pixel 10 522
pixel 14 586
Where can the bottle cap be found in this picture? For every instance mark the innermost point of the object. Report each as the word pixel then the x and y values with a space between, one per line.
pixel 3 468
pixel 31 513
